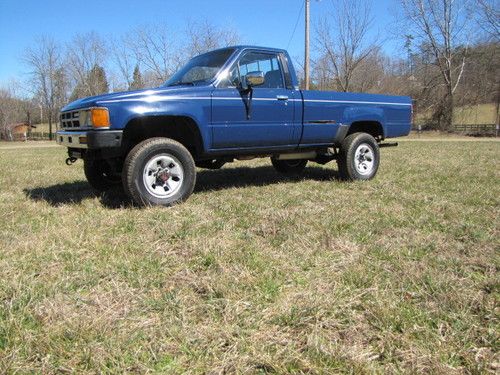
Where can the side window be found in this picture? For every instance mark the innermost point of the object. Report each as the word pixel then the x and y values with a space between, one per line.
pixel 234 76
pixel 266 63
pixel 232 79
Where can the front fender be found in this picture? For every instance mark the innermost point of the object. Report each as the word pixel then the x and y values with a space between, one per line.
pixel 196 106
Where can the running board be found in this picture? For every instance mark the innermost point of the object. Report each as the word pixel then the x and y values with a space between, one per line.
pixel 393 144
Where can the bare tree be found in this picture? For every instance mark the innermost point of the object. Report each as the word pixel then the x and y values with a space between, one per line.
pixel 154 48
pixel 160 52
pixel 371 72
pixel 44 62
pixel 85 53
pixel 323 74
pixel 205 36
pixel 489 17
pixel 5 112
pixel 441 26
pixel 489 21
pixel 124 58
pixel 345 42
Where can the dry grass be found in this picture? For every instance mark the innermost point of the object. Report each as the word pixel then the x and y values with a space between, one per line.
pixel 476 114
pixel 436 135
pixel 256 273
pixel 469 114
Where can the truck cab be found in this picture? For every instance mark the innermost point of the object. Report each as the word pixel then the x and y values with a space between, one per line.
pixel 232 103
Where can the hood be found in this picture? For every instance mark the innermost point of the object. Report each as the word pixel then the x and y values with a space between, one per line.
pixel 95 101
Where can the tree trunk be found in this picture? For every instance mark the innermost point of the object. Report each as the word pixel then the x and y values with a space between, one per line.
pixel 50 125
pixel 28 115
pixel 447 119
pixel 498 107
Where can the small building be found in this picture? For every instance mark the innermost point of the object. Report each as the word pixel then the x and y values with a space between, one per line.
pixel 20 131
pixel 21 128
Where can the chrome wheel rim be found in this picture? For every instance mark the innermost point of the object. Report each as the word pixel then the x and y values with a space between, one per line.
pixel 364 159
pixel 163 176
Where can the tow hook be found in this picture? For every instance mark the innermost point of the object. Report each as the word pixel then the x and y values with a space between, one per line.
pixel 71 160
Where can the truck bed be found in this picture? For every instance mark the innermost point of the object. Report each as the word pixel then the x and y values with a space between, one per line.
pixel 325 112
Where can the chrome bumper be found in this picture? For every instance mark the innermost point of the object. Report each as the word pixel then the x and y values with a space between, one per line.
pixel 72 139
pixel 91 139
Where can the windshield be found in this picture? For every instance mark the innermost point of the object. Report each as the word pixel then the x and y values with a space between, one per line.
pixel 202 68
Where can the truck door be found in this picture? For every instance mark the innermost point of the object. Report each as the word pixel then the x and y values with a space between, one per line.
pixel 266 118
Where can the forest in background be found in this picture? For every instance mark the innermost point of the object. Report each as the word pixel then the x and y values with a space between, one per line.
pixel 450 60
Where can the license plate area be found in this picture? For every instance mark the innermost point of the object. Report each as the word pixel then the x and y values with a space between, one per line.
pixel 75 154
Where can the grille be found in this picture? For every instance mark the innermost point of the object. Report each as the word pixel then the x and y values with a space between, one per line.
pixel 70 120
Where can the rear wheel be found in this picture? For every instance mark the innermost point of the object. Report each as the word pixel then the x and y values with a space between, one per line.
pixel 294 166
pixel 159 171
pixel 99 174
pixel 359 157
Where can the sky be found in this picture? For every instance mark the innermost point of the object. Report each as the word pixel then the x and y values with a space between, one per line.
pixel 260 22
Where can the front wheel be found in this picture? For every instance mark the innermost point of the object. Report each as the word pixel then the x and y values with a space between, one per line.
pixel 359 157
pixel 99 174
pixel 159 171
pixel 294 166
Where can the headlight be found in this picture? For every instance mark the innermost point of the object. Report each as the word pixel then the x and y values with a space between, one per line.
pixel 97 117
pixel 83 117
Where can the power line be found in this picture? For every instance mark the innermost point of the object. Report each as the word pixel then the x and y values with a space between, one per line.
pixel 296 24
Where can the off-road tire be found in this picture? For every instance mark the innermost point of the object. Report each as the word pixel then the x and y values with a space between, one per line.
pixel 359 157
pixel 136 172
pixel 290 167
pixel 99 174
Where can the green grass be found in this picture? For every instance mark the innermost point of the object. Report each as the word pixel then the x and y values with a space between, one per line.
pixel 256 273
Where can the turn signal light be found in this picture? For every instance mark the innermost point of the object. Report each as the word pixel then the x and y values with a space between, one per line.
pixel 100 117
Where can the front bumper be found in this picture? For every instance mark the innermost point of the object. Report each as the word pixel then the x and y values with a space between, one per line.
pixel 90 139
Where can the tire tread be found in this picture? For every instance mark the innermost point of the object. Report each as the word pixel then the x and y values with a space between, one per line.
pixel 345 159
pixel 131 160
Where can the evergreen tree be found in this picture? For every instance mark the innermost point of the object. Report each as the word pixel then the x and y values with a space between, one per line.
pixel 137 82
pixel 95 83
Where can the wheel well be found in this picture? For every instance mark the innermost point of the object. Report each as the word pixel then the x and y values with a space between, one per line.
pixel 373 128
pixel 180 128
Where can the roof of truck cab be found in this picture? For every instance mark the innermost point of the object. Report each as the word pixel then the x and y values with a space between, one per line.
pixel 242 47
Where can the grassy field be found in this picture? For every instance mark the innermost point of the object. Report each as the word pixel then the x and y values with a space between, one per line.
pixel 473 114
pixel 477 114
pixel 256 273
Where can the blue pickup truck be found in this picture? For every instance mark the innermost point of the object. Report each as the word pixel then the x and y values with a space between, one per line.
pixel 232 103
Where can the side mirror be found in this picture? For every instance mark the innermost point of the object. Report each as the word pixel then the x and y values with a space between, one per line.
pixel 254 79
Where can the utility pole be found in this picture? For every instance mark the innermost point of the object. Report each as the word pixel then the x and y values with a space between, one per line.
pixel 306 55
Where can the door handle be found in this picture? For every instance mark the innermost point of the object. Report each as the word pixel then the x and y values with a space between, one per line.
pixel 282 97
